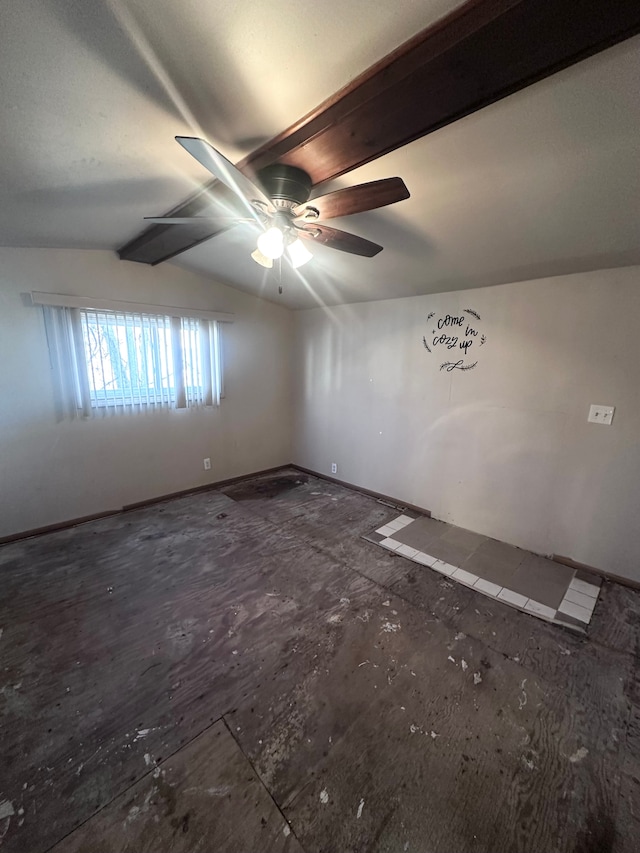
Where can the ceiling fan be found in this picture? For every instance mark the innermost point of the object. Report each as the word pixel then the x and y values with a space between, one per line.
pixel 283 210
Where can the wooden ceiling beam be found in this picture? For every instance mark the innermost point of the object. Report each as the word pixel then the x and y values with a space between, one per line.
pixel 480 53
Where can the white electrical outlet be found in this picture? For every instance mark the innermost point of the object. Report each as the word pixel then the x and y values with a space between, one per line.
pixel 207 464
pixel 601 414
pixel 334 468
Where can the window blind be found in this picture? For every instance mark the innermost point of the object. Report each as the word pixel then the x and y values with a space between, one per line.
pixel 107 361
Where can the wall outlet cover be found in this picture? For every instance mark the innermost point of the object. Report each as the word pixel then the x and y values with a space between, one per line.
pixel 334 468
pixel 601 414
pixel 207 464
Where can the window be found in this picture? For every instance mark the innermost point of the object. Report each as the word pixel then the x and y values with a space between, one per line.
pixel 142 359
pixel 109 360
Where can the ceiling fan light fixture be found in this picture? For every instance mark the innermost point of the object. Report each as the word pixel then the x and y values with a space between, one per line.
pixel 271 243
pixel 280 202
pixel 261 259
pixel 298 253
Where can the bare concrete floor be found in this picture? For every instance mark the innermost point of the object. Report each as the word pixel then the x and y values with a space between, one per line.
pixel 240 671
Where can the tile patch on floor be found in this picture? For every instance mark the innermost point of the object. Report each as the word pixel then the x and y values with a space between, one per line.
pixel 526 581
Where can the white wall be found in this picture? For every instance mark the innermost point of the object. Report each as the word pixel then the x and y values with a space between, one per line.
pixel 504 449
pixel 51 472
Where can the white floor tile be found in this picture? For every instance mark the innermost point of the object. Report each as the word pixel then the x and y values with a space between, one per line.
pixel 540 609
pixel 407 551
pixel 443 568
pixel 466 578
pixel 487 587
pixel 425 559
pixel 576 611
pixel 580 598
pixel 584 587
pixel 513 597
pixel 402 521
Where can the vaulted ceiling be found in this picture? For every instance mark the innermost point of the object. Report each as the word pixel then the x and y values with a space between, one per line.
pixel 541 183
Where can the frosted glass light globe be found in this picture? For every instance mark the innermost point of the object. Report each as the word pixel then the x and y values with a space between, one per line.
pixel 298 253
pixel 271 243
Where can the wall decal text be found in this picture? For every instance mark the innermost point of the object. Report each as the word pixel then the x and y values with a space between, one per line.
pixel 459 335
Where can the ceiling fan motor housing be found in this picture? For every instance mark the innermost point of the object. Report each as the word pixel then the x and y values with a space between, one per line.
pixel 284 183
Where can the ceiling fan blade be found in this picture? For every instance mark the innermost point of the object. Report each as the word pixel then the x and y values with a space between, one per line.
pixel 197 220
pixel 342 240
pixel 225 171
pixel 353 200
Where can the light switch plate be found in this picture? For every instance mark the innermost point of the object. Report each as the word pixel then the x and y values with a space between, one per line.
pixel 601 414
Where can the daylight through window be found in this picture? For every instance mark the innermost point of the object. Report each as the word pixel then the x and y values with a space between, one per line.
pixel 109 360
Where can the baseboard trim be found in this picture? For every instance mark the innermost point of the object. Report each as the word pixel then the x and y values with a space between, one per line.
pixel 61 525
pixel 609 576
pixel 388 498
pixel 75 522
pixel 205 488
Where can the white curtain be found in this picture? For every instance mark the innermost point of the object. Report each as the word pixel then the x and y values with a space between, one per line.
pixel 68 363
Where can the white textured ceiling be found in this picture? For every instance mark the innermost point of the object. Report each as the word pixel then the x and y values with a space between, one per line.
pixel 92 94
